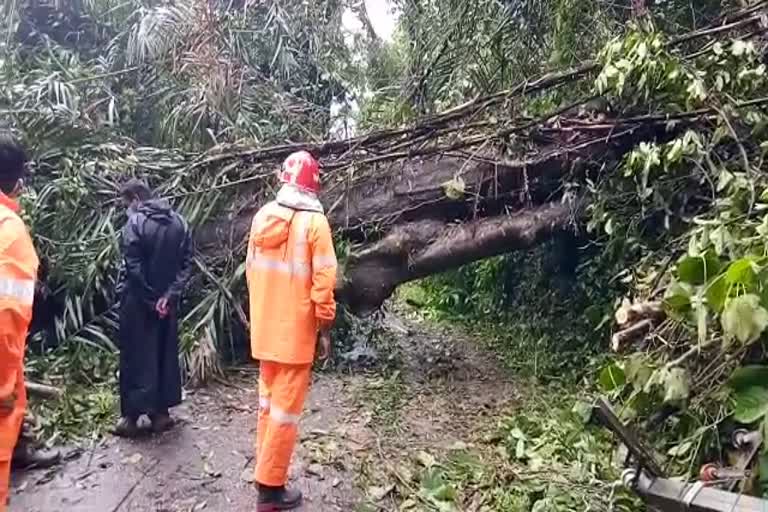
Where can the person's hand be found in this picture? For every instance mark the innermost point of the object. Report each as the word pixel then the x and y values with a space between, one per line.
pixel 162 307
pixel 325 344
pixel 7 404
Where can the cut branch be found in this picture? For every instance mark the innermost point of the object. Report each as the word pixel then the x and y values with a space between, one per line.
pixel 629 314
pixel 43 391
pixel 620 339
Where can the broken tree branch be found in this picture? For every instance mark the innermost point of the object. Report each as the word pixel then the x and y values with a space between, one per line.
pixel 43 391
pixel 415 250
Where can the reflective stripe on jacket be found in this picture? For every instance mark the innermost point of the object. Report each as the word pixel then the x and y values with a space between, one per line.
pixel 18 271
pixel 291 274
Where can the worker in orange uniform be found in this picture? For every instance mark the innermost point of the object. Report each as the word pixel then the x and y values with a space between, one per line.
pixel 18 271
pixel 291 273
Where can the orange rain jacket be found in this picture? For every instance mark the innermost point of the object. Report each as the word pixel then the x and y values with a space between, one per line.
pixel 291 274
pixel 18 271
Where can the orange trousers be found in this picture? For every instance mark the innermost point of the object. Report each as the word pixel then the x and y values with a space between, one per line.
pixel 5 483
pixel 282 391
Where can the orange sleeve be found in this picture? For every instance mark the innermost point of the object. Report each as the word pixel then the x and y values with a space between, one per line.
pixel 323 271
pixel 13 326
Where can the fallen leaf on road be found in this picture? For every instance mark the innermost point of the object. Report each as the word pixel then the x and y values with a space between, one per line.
pixel 378 493
pixel 426 459
pixel 210 471
pixel 459 445
pixel 133 459
pixel 247 475
pixel 315 469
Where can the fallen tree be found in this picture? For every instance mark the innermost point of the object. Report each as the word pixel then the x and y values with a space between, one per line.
pixel 483 178
pixel 424 199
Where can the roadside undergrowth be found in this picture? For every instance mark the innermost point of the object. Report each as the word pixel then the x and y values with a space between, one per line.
pixel 89 406
pixel 545 315
pixel 542 456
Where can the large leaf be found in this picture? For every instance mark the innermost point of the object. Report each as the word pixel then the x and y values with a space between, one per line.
pixel 717 293
pixel 749 376
pixel 750 404
pixel 678 298
pixel 611 378
pixel 742 272
pixel 744 318
pixel 637 370
pixel 697 270
pixel 676 385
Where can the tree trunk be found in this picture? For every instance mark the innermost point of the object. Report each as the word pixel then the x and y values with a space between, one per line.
pixel 419 249
pixel 422 215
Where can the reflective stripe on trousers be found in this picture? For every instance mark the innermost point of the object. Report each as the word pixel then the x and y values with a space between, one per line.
pixel 282 391
pixel 276 414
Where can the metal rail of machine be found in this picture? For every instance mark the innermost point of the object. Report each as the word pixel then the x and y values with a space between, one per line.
pixel 646 478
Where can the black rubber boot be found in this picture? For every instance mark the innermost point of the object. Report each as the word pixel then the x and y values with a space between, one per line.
pixel 161 422
pixel 127 427
pixel 278 498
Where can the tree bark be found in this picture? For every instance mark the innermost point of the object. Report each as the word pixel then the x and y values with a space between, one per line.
pixel 414 188
pixel 419 249
pixel 420 215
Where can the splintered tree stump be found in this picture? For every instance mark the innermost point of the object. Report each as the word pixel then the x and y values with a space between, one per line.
pixel 628 313
pixel 623 338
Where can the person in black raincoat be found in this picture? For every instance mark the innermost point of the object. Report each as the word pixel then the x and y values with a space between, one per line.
pixel 157 255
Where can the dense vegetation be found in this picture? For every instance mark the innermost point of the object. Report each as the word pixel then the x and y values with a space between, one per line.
pixel 102 89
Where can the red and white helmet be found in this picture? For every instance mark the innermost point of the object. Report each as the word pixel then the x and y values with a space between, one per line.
pixel 302 170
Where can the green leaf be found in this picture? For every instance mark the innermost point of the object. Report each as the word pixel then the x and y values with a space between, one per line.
pixel 742 272
pixel 750 404
pixel 639 403
pixel 678 298
pixel 748 376
pixel 611 377
pixel 717 293
pixel 434 486
pixel 676 385
pixel 675 151
pixel 721 239
pixel 744 318
pixel 637 370
pixel 680 450
pixel 697 270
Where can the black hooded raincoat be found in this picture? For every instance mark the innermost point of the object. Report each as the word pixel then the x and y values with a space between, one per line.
pixel 157 253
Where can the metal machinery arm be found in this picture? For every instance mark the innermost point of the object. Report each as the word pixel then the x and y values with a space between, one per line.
pixel 667 495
